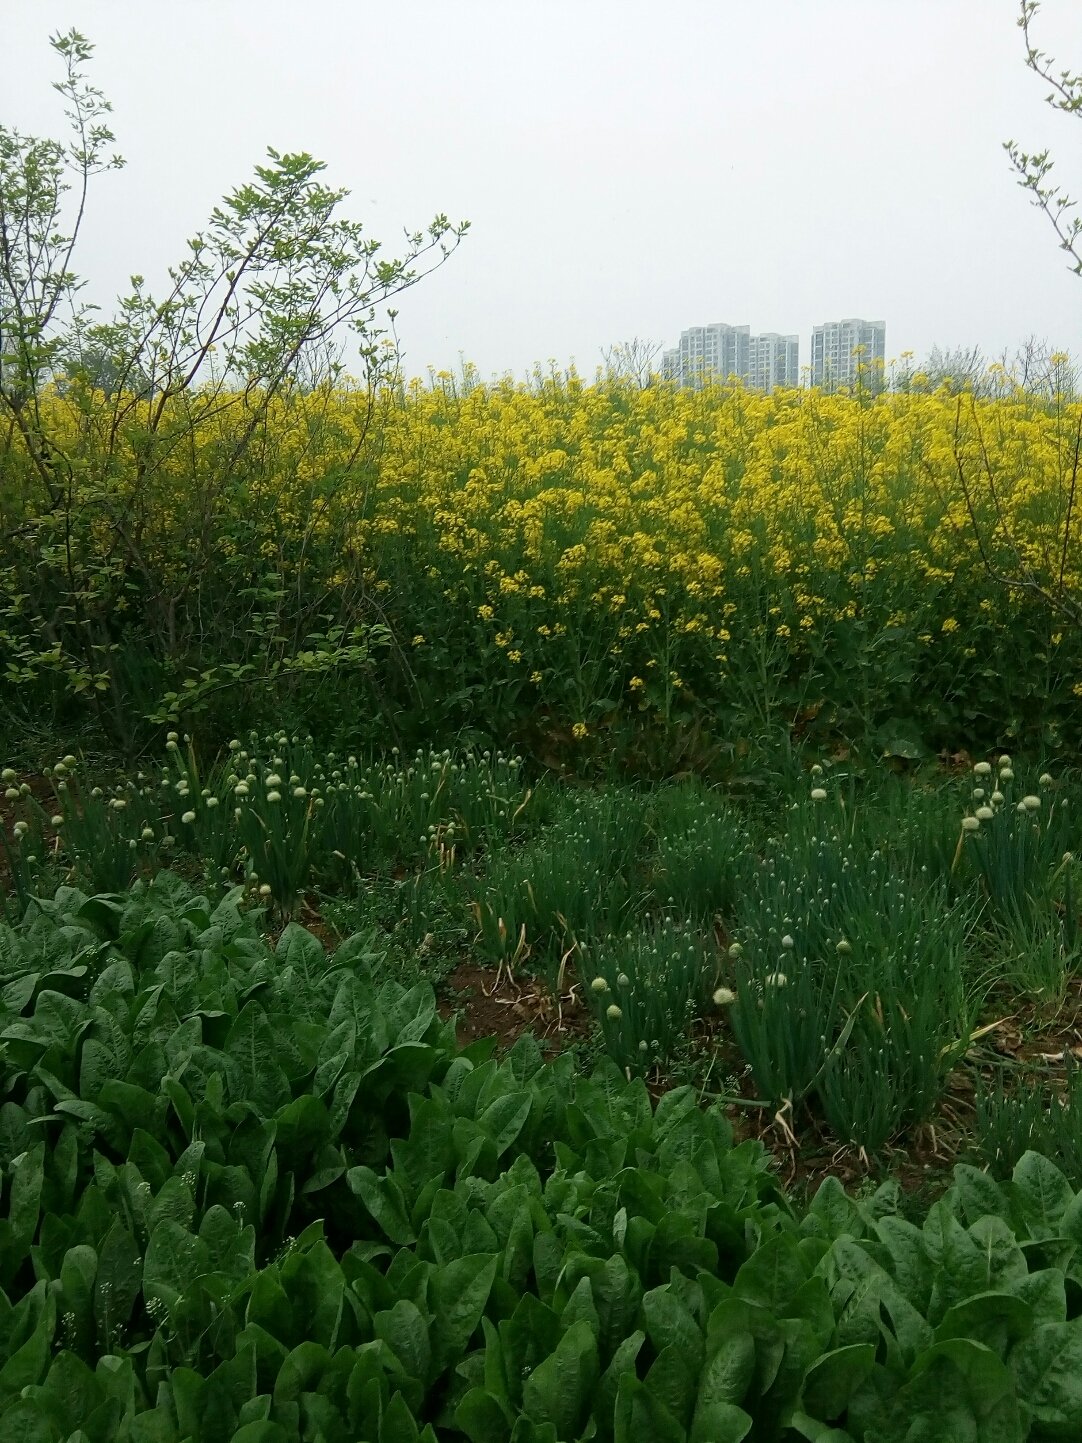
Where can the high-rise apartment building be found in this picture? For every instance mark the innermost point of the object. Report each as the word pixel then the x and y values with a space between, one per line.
pixel 773 360
pixel 840 347
pixel 719 351
pixel 704 353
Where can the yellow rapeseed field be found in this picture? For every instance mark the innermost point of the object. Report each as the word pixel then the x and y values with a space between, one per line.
pixel 594 552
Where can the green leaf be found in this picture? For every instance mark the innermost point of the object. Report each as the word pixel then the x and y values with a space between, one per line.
pixel 1047 1369
pixel 383 1199
pixel 405 1331
pixel 252 1046
pixel 642 1418
pixel 505 1118
pixel 458 1293
pixel 831 1381
pixel 1041 1193
pixel 482 1419
pixel 559 1390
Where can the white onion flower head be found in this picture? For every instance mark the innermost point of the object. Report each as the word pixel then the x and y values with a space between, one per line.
pixel 777 979
pixel 984 814
pixel 971 824
pixel 978 794
pixel 735 950
pixel 1045 779
pixel 56 821
pixel 274 797
pixel 998 797
pixel 1004 760
pixel 843 947
pixel 818 794
pixel 613 1013
pixel 599 984
pixel 1006 775
pixel 1032 804
pixel 983 769
pixel 787 942
pixel 724 997
pixel 188 818
pixel 8 775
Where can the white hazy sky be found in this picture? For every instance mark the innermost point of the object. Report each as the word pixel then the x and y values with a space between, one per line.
pixel 629 168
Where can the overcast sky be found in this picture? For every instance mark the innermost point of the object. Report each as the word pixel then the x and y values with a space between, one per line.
pixel 628 168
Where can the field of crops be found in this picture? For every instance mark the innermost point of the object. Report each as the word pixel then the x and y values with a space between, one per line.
pixel 586 571
pixel 253 1189
pixel 499 1087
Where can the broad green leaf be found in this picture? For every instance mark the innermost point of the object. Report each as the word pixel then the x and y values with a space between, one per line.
pixel 831 1381
pixel 560 1389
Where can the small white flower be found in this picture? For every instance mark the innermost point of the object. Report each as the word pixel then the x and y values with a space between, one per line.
pixel 623 980
pixel 8 775
pixel 57 821
pixel 1006 775
pixel 787 942
pixel 978 794
pixel 147 834
pixel 724 997
pixel 1032 804
pixel 983 769
pixel 299 793
pixel 998 797
pixel 241 789
pixel 188 818
pixel 12 794
pixel 274 780
pixel 274 796
pixel 118 804
pixel 264 890
pixel 1045 779
pixel 971 824
pixel 599 985
pixel 613 1013
pixel 777 979
pixel 843 947
pixel 735 950
pixel 212 801
pixel 985 814
pixel 1004 760
pixel 818 794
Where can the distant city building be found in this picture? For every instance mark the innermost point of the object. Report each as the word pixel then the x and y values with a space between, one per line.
pixel 773 360
pixel 839 347
pixel 713 352
pixel 719 351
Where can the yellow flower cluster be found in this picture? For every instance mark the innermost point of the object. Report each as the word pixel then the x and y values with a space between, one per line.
pixel 574 532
